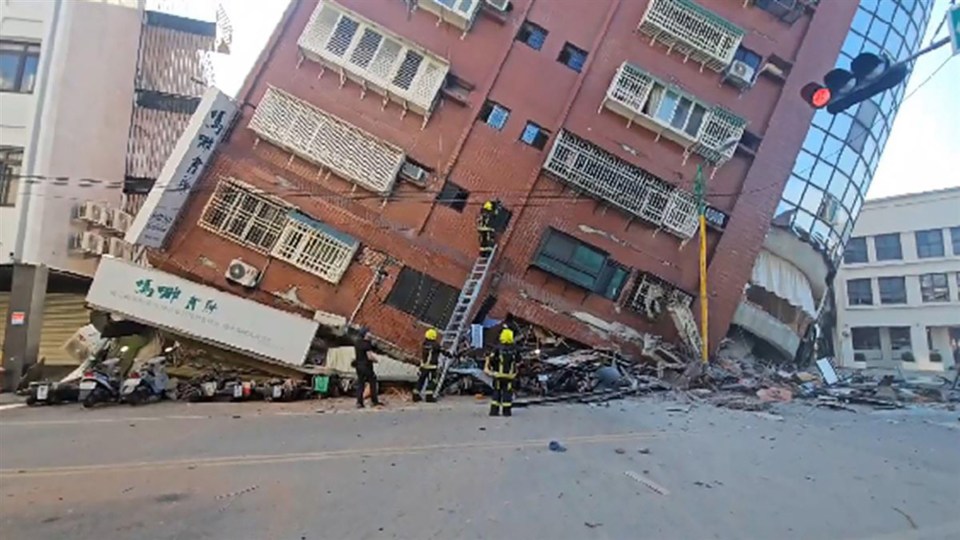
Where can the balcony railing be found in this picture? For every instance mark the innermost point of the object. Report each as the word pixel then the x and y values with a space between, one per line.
pixel 588 167
pixel 374 57
pixel 460 13
pixel 673 113
pixel 325 140
pixel 692 30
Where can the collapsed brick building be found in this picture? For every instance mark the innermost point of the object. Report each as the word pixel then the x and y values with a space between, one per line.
pixel 371 132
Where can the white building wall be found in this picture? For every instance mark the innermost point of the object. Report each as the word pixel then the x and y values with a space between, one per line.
pixel 84 126
pixel 905 215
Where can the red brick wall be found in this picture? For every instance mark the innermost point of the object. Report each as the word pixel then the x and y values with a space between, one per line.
pixel 534 86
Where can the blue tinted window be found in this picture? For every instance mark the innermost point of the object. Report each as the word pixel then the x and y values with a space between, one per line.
pixel 859 175
pixel 814 140
pixel 532 34
pixel 831 148
pixel 861 21
pixel 804 164
pixel 822 118
pixel 894 44
pixel 878 32
pixel 794 189
pixel 911 35
pixel 886 9
pixel 901 20
pixel 812 199
pixel 573 57
pixel 837 185
pixel 783 208
pixel 821 173
pixel 841 125
pixel 803 220
pixel 847 161
pixel 853 44
pixel 850 196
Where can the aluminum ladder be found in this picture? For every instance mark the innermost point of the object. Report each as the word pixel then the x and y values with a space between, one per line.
pixel 463 309
pixel 687 326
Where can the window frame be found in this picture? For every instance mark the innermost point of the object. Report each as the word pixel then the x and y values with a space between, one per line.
pixel 873 331
pixel 881 250
pixel 850 296
pixel 450 196
pixel 11 161
pixel 233 212
pixel 308 245
pixel 525 28
pixel 900 294
pixel 487 111
pixel 905 332
pixel 568 52
pixel 850 243
pixel 23 51
pixel 930 291
pixel 602 278
pixel 923 246
pixel 540 138
pixel 423 308
pixel 955 240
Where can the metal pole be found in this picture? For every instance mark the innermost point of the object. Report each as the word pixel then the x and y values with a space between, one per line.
pixel 700 190
pixel 933 46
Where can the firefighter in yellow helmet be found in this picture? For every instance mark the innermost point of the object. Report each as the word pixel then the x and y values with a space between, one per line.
pixel 429 365
pixel 501 364
pixel 485 227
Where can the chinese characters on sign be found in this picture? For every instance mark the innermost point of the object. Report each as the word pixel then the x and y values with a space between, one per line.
pixel 194 151
pixel 171 294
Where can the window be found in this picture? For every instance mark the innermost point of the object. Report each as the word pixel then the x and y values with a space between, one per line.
pixel 934 288
pixel 532 34
pixel 859 292
pixel 572 56
pixel 315 247
pixel 245 215
pixel 494 115
pixel 955 239
pixel 748 57
pixel 425 298
pixel 579 263
pixel 10 160
pixel 453 196
pixel 888 247
pixel 900 340
pixel 535 136
pixel 893 290
pixel 929 243
pixel 675 110
pixel 865 338
pixel 856 250
pixel 18 66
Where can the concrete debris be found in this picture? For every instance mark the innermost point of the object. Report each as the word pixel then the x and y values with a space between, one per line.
pixel 655 487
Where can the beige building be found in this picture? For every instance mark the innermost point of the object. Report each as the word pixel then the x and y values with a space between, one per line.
pixel 93 96
pixel 898 289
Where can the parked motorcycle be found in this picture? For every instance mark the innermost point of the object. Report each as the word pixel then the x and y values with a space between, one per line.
pixel 146 384
pixel 51 393
pixel 100 382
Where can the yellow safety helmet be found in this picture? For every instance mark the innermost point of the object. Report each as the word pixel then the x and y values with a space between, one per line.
pixel 506 336
pixel 488 205
pixel 432 334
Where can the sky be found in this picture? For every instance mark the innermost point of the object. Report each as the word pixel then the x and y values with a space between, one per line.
pixel 925 136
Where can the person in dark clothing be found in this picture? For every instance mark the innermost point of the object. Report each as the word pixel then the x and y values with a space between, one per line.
pixel 363 364
pixel 429 365
pixel 501 364
pixel 485 227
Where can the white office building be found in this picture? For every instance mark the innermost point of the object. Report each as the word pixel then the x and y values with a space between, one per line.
pixel 898 289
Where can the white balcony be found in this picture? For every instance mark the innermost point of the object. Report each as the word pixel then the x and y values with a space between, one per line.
pixel 327 141
pixel 374 57
pixel 758 322
pixel 670 112
pixel 459 13
pixel 599 173
pixel 692 30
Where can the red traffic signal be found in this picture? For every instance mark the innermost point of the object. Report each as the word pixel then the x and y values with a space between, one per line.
pixel 818 96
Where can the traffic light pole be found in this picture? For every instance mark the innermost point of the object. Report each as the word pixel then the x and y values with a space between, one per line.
pixel 932 47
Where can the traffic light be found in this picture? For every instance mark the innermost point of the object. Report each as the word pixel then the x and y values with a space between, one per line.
pixel 869 75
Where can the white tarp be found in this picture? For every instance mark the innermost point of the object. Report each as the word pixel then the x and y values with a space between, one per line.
pixel 784 280
pixel 180 306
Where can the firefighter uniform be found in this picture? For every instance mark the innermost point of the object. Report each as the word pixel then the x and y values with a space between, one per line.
pixel 501 364
pixel 429 365
pixel 485 227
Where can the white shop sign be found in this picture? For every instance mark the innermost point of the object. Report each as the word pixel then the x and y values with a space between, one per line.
pixel 183 169
pixel 177 305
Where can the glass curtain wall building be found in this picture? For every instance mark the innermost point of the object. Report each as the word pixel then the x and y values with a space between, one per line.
pixel 836 164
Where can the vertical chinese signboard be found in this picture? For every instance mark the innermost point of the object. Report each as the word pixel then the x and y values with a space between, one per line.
pixel 183 169
pixel 177 305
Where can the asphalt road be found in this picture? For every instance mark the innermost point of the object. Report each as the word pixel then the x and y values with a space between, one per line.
pixel 633 469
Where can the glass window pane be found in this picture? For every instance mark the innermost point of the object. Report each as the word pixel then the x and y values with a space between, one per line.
pixel 9 65
pixel 861 21
pixel 794 189
pixel 821 174
pixel 804 164
pixel 812 199
pixel 814 140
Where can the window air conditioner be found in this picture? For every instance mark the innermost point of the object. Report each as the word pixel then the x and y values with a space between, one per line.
pixel 413 173
pixel 120 220
pixel 242 273
pixel 92 243
pixel 741 74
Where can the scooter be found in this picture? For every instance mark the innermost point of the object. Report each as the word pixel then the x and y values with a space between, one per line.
pixel 51 393
pixel 100 382
pixel 148 383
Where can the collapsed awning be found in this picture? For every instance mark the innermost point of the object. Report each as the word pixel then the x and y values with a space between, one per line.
pixel 784 280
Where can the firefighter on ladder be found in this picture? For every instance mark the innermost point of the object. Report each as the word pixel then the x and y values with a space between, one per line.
pixel 429 365
pixel 485 227
pixel 501 364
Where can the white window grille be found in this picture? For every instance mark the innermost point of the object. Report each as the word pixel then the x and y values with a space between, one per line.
pixel 651 296
pixel 673 113
pixel 325 140
pixel 692 30
pixel 245 215
pixel 586 166
pixel 374 57
pixel 460 13
pixel 315 247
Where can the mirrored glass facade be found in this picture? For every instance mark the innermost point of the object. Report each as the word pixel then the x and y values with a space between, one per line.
pixel 839 156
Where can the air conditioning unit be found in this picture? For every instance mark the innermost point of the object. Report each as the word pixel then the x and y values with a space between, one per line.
pixel 104 216
pixel 92 243
pixel 242 273
pixel 741 74
pixel 75 242
pixel 86 211
pixel 116 247
pixel 499 5
pixel 414 173
pixel 120 220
